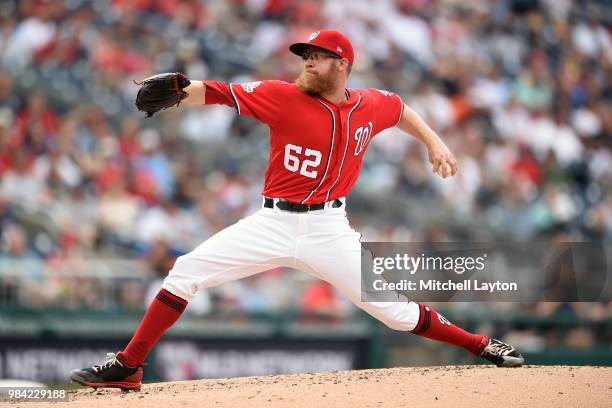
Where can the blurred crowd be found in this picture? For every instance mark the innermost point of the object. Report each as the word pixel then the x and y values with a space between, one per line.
pixel 519 89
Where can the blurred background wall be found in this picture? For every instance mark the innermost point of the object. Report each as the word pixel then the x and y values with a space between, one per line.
pixel 96 202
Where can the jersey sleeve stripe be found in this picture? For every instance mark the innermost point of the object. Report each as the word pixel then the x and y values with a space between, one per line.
pixel 401 110
pixel 331 147
pixel 348 140
pixel 235 99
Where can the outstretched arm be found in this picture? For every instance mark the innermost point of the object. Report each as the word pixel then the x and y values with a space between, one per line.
pixel 196 93
pixel 166 90
pixel 163 91
pixel 442 160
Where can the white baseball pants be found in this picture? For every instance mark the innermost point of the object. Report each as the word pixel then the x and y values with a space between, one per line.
pixel 321 243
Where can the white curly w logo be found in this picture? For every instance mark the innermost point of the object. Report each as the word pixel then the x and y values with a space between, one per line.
pixel 362 136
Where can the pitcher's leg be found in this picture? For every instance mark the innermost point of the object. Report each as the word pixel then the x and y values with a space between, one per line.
pixel 254 244
pixel 339 263
pixel 161 314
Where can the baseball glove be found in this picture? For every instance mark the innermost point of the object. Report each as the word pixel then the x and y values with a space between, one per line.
pixel 161 92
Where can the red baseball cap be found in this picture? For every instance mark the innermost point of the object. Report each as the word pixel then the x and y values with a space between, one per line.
pixel 329 40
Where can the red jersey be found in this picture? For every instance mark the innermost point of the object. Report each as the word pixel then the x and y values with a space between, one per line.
pixel 316 146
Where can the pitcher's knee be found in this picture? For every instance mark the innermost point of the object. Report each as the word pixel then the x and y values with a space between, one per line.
pixel 398 325
pixel 400 316
pixel 181 280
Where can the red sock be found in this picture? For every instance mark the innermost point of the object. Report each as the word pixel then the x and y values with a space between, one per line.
pixel 165 309
pixel 435 326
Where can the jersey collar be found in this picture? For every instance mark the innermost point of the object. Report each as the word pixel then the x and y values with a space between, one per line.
pixel 350 102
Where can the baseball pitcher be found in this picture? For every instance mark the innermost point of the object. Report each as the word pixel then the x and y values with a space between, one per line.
pixel 319 132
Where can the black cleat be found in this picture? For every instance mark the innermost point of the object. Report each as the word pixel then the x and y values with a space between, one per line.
pixel 110 374
pixel 502 354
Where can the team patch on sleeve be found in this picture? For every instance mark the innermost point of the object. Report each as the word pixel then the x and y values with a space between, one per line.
pixel 386 93
pixel 249 87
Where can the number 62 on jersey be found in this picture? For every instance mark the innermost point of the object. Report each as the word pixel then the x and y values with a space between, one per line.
pixel 311 159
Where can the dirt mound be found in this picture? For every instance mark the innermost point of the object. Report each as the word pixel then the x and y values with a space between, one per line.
pixel 450 386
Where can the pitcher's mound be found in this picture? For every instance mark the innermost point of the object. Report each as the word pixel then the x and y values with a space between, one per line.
pixel 450 386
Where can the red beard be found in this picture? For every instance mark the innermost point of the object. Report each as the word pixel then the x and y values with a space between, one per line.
pixel 317 84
